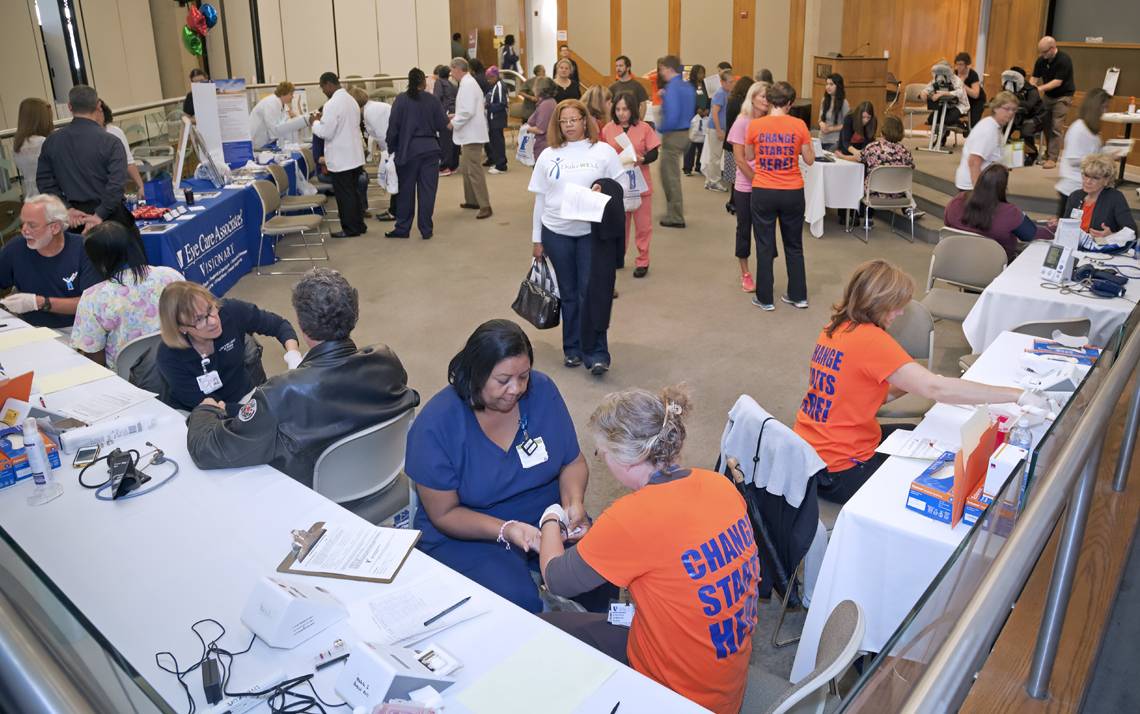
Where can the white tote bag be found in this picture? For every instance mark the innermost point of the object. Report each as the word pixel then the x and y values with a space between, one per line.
pixel 697 129
pixel 633 184
pixel 386 176
pixel 525 152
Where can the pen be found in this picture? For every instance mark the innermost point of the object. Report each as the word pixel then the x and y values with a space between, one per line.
pixel 614 710
pixel 454 607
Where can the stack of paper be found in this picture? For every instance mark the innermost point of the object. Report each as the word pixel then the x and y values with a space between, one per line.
pixel 19 338
pixel 903 442
pixel 92 401
pixel 400 613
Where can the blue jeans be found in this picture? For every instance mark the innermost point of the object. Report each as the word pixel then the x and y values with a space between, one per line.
pixel 570 256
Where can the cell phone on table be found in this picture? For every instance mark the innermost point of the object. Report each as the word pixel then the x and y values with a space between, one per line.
pixel 85 456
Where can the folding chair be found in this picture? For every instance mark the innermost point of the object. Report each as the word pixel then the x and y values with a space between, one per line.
pixel 276 227
pixel 881 183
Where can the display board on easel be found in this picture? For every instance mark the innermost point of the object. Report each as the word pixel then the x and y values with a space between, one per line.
pixel 221 113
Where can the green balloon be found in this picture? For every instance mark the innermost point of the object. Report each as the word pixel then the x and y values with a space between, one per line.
pixel 191 41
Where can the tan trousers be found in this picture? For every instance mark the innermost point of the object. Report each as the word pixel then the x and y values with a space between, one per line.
pixel 474 180
pixel 1055 130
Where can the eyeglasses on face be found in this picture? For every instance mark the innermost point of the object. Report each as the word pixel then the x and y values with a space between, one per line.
pixel 570 122
pixel 200 320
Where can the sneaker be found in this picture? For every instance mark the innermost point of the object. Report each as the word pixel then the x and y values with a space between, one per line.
pixel 747 284
pixel 572 361
pixel 801 304
pixel 717 186
pixel 445 172
pixel 496 171
pixel 640 271
pixel 916 213
pixel 766 306
pixel 599 368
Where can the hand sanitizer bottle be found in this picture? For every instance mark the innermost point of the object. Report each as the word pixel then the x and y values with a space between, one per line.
pixel 46 487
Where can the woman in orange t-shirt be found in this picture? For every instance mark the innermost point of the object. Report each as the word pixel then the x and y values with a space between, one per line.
pixel 856 367
pixel 683 545
pixel 776 142
pixel 625 118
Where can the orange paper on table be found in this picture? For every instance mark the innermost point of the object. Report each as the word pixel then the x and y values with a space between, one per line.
pixel 18 387
pixel 970 469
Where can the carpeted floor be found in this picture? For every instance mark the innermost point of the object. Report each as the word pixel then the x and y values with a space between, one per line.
pixel 687 321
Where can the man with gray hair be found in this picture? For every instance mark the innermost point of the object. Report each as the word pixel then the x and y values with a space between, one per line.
pixel 469 132
pixel 338 389
pixel 85 166
pixel 49 268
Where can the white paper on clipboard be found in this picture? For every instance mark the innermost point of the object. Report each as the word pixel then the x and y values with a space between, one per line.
pixel 1111 75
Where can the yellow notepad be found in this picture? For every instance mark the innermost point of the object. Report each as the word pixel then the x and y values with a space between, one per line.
pixel 82 374
pixel 19 338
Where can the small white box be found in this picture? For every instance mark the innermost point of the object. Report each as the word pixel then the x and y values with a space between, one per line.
pixel 1002 463
pixel 285 614
pixel 375 673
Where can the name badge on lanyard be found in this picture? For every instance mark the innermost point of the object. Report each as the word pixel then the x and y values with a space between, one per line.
pixel 209 381
pixel 532 452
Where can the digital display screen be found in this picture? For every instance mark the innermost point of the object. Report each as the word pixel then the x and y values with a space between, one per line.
pixel 1053 257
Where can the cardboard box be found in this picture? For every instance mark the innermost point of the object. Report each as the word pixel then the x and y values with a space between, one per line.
pixel 14 462
pixel 931 493
pixel 976 505
pixel 1002 463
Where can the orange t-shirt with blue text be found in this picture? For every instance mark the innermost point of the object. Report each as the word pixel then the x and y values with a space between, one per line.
pixel 686 551
pixel 777 141
pixel 847 383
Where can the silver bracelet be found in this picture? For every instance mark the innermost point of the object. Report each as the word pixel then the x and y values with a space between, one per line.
pixel 502 539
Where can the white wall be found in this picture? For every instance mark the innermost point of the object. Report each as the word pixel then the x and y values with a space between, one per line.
pixel 645 33
pixel 542 31
pixel 307 36
pixel 21 55
pixel 771 44
pixel 433 33
pixel 588 32
pixel 122 63
pixel 357 37
pixel 706 32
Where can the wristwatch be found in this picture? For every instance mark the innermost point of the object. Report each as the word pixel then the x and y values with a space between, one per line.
pixel 47 304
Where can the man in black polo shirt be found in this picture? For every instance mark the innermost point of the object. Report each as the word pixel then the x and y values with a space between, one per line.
pixel 85 166
pixel 1053 77
pixel 47 266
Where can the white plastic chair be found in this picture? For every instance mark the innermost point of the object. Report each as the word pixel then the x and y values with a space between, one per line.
pixel 914 331
pixel 881 183
pixel 132 351
pixel 364 463
pixel 913 105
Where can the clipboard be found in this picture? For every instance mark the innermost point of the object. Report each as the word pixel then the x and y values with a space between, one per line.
pixel 305 540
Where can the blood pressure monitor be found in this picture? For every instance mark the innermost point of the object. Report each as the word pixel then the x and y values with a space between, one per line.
pixel 1058 265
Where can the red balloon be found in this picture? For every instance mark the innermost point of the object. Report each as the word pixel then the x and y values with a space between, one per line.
pixel 196 21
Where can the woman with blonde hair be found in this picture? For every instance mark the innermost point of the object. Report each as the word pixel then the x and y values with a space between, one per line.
pixel 856 366
pixel 203 345
pixel 573 156
pixel 33 124
pixel 680 532
pixel 599 102
pixel 755 105
pixel 1102 209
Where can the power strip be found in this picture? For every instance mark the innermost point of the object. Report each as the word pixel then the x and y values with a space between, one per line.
pixel 242 704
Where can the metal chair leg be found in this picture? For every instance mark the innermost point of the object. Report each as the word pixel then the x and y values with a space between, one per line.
pixel 776 641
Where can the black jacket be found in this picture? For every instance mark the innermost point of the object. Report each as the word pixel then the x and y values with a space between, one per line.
pixel 1030 107
pixel 1111 208
pixel 607 242
pixel 292 418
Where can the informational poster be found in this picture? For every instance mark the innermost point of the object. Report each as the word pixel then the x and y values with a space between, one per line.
pixel 472 43
pixel 221 110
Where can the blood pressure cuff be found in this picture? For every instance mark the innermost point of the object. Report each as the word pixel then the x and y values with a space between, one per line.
pixel 1091 272
pixel 1106 288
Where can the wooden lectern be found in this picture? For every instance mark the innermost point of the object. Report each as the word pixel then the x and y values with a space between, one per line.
pixel 865 79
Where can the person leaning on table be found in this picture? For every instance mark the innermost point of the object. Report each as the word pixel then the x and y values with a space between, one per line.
pixel 856 367
pixel 488 453
pixel 202 354
pixel 681 542
pixel 336 390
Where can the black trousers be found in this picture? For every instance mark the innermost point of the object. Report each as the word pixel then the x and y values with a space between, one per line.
pixel 743 203
pixel 786 206
pixel 840 486
pixel 419 179
pixel 497 148
pixel 346 190
pixel 692 157
pixel 450 158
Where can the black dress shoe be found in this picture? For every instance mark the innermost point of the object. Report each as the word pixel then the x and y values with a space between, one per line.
pixel 640 271
pixel 343 234
pixel 394 234
pixel 672 224
pixel 385 216
pixel 599 368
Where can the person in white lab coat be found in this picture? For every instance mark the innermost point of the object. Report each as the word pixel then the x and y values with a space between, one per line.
pixel 375 115
pixel 271 118
pixel 469 131
pixel 338 123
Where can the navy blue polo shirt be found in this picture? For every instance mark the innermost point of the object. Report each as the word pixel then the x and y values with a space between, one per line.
pixel 65 275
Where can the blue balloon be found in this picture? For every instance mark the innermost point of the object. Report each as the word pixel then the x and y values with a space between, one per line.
pixel 210 14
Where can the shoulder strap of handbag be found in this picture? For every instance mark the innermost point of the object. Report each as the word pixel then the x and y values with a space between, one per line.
pixel 756 456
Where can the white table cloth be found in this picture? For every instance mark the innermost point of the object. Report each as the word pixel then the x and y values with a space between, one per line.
pixel 143 570
pixel 1016 297
pixel 882 555
pixel 837 184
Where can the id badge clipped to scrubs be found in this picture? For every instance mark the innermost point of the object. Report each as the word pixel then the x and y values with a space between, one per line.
pixel 209 382
pixel 532 452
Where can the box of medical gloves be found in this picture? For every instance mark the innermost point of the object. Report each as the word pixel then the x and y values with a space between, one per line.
pixel 931 494
pixel 13 460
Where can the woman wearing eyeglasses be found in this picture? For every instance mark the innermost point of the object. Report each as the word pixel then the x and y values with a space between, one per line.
pixel 573 156
pixel 203 345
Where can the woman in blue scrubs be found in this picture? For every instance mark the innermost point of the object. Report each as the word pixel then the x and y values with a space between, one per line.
pixel 488 454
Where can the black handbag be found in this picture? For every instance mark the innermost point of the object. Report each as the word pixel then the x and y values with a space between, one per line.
pixel 538 302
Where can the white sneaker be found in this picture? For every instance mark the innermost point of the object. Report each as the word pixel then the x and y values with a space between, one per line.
pixel 766 306
pixel 494 170
pixel 801 304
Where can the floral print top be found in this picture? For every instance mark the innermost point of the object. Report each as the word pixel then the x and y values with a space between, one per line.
pixel 112 313
pixel 881 152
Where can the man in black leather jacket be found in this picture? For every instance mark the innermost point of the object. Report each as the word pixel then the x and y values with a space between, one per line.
pixel 337 389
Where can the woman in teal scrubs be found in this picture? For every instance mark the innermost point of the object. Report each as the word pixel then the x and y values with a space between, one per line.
pixel 488 454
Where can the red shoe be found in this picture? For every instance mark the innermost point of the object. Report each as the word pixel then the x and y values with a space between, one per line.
pixel 747 284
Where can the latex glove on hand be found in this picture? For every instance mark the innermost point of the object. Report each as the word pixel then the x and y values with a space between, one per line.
pixel 556 510
pixel 1033 399
pixel 293 358
pixel 19 303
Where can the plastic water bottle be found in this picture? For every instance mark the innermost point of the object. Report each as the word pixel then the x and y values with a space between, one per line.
pixel 46 487
pixel 1020 436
